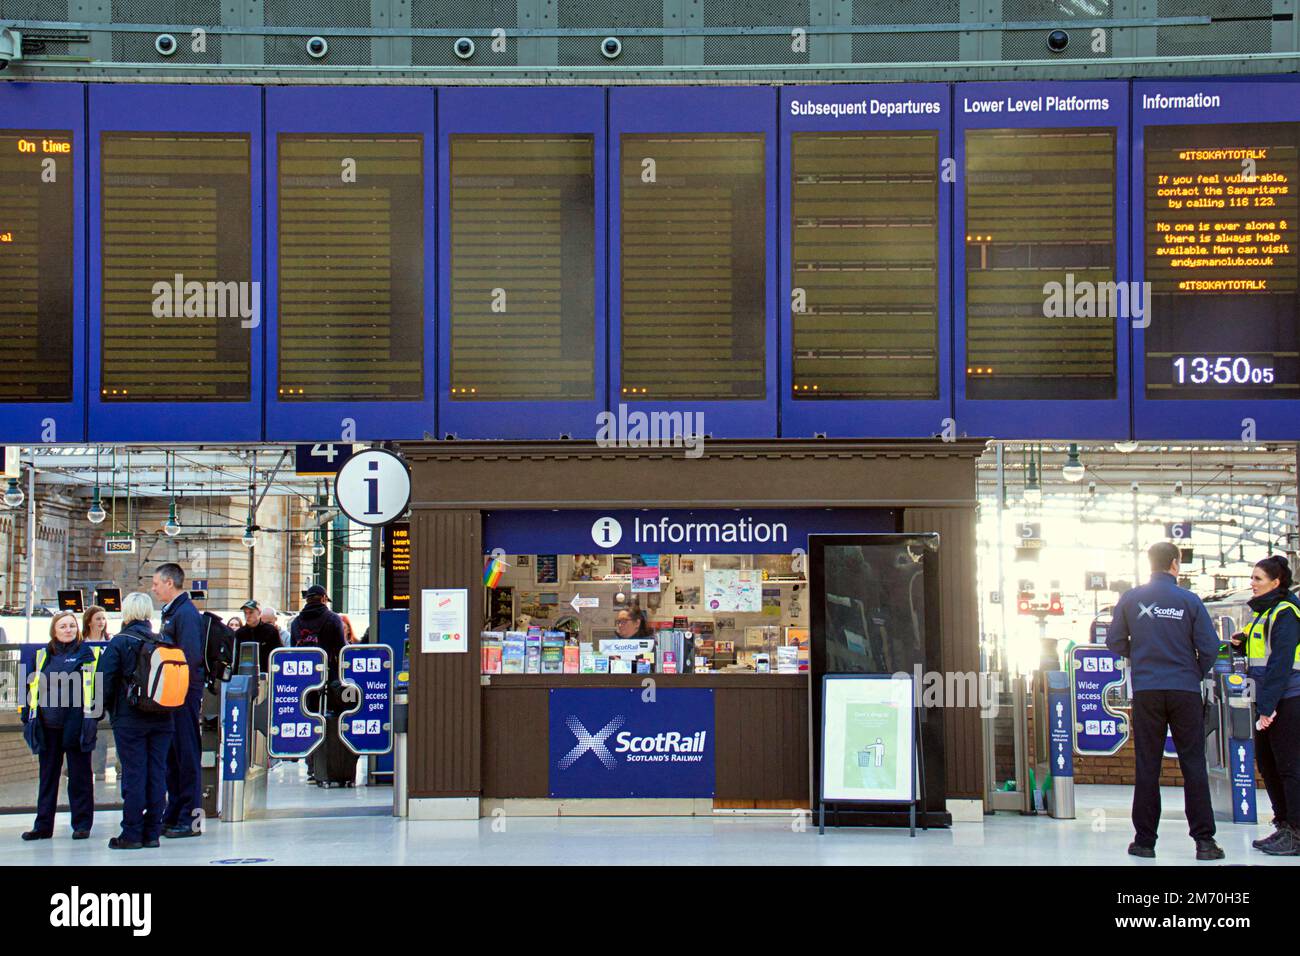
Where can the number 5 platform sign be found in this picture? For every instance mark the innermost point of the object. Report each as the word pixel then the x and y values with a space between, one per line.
pixel 367 673
pixel 295 672
pixel 373 487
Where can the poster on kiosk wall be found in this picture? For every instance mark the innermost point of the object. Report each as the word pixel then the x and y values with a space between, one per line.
pixel 867 739
pixel 444 621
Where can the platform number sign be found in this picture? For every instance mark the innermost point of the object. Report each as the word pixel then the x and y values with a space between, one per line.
pixel 1178 530
pixel 373 487
pixel 320 458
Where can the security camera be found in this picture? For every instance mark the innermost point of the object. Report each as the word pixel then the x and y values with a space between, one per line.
pixel 165 44
pixel 1058 40
pixel 464 48
pixel 317 47
pixel 11 46
pixel 611 47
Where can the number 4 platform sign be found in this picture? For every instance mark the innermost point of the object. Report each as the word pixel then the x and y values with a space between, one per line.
pixel 367 673
pixel 295 672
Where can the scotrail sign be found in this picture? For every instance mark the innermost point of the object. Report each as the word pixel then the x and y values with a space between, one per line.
pixel 631 742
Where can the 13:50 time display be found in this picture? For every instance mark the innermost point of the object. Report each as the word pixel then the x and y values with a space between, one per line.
pixel 1220 370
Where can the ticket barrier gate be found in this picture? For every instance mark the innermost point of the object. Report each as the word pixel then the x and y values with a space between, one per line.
pixel 243 759
pixel 1230 745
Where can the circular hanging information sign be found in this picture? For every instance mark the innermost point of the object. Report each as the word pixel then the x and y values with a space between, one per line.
pixel 373 487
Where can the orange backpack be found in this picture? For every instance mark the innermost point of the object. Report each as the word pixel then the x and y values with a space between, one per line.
pixel 161 679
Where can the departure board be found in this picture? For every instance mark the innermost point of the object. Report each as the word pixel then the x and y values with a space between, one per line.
pixel 178 298
pixel 1220 255
pixel 1040 210
pixel 865 265
pixel 351 267
pixel 692 242
pixel 36 258
pixel 523 260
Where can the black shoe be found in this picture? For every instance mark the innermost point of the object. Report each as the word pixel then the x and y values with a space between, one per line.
pixel 178 833
pixel 1208 850
pixel 81 834
pixel 1270 839
pixel 1287 845
pixel 117 843
pixel 1146 852
pixel 150 844
pixel 36 835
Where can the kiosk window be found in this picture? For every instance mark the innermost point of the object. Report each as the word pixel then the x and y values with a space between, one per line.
pixel 1221 235
pixel 351 277
pixel 865 265
pixel 36 178
pixel 692 244
pixel 1040 209
pixel 522 267
pixel 178 300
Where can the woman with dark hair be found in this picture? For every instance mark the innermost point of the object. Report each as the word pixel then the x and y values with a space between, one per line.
pixel 60 720
pixel 631 622
pixel 94 624
pixel 1272 648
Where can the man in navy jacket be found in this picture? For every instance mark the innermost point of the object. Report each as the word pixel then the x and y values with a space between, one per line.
pixel 1168 637
pixel 182 625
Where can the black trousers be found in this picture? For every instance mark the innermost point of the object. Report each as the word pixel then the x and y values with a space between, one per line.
pixel 1183 712
pixel 1277 751
pixel 81 784
pixel 184 772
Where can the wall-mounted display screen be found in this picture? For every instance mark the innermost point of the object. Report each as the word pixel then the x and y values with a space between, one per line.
pixel 865 265
pixel 351 267
pixel 1220 256
pixel 178 301
pixel 522 267
pixel 692 266
pixel 1040 229
pixel 36 265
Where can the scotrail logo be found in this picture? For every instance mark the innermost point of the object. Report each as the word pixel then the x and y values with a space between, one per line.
pixel 1154 611
pixel 589 741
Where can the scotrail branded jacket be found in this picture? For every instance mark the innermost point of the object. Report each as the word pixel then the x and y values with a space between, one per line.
pixel 52 676
pixel 1167 635
pixel 182 625
pixel 1272 647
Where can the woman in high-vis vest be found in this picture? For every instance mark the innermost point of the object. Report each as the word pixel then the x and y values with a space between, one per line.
pixel 1271 643
pixel 60 720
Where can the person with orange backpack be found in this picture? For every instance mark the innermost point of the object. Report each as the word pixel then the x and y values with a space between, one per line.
pixel 145 681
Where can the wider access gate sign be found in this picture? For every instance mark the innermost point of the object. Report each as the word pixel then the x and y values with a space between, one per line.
pixel 1099 729
pixel 614 743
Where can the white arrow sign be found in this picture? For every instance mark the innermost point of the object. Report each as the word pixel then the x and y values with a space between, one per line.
pixel 579 602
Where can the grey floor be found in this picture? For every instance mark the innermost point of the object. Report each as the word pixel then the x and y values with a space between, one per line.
pixel 306 825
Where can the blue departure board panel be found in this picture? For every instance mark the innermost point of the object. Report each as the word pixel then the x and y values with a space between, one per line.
pixel 42 262
pixel 1215 209
pixel 1041 260
pixel 865 273
pixel 176 299
pixel 522 236
pixel 351 271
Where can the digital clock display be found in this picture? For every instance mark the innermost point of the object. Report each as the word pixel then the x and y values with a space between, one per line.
pixel 1220 260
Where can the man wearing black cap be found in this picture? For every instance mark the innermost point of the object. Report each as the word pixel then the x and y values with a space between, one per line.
pixel 317 626
pixel 256 631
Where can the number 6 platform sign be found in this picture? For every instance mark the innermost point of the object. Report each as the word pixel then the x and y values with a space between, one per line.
pixel 373 487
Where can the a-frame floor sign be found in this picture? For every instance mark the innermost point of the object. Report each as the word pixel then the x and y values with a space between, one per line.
pixel 871 744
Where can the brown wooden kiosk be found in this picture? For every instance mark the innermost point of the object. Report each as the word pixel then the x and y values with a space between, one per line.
pixel 478 741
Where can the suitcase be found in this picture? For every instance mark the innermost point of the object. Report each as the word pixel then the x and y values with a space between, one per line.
pixel 332 763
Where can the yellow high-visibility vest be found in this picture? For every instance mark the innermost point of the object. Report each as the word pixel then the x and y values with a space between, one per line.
pixel 1259 635
pixel 88 670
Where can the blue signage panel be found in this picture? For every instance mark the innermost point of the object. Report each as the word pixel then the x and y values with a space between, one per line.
pixel 367 728
pixel 1242 755
pixel 614 743
pixel 236 724
pixel 295 730
pixel 1215 210
pixel 321 458
pixel 1098 729
pixel 654 531
pixel 1040 254
pixel 1060 750
pixel 865 351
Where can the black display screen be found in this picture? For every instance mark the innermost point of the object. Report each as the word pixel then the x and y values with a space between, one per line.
pixel 865 265
pixel 36 265
pixel 1220 254
pixel 178 301
pixel 351 267
pixel 1040 214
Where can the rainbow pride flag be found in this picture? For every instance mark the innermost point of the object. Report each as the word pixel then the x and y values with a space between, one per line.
pixel 492 571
